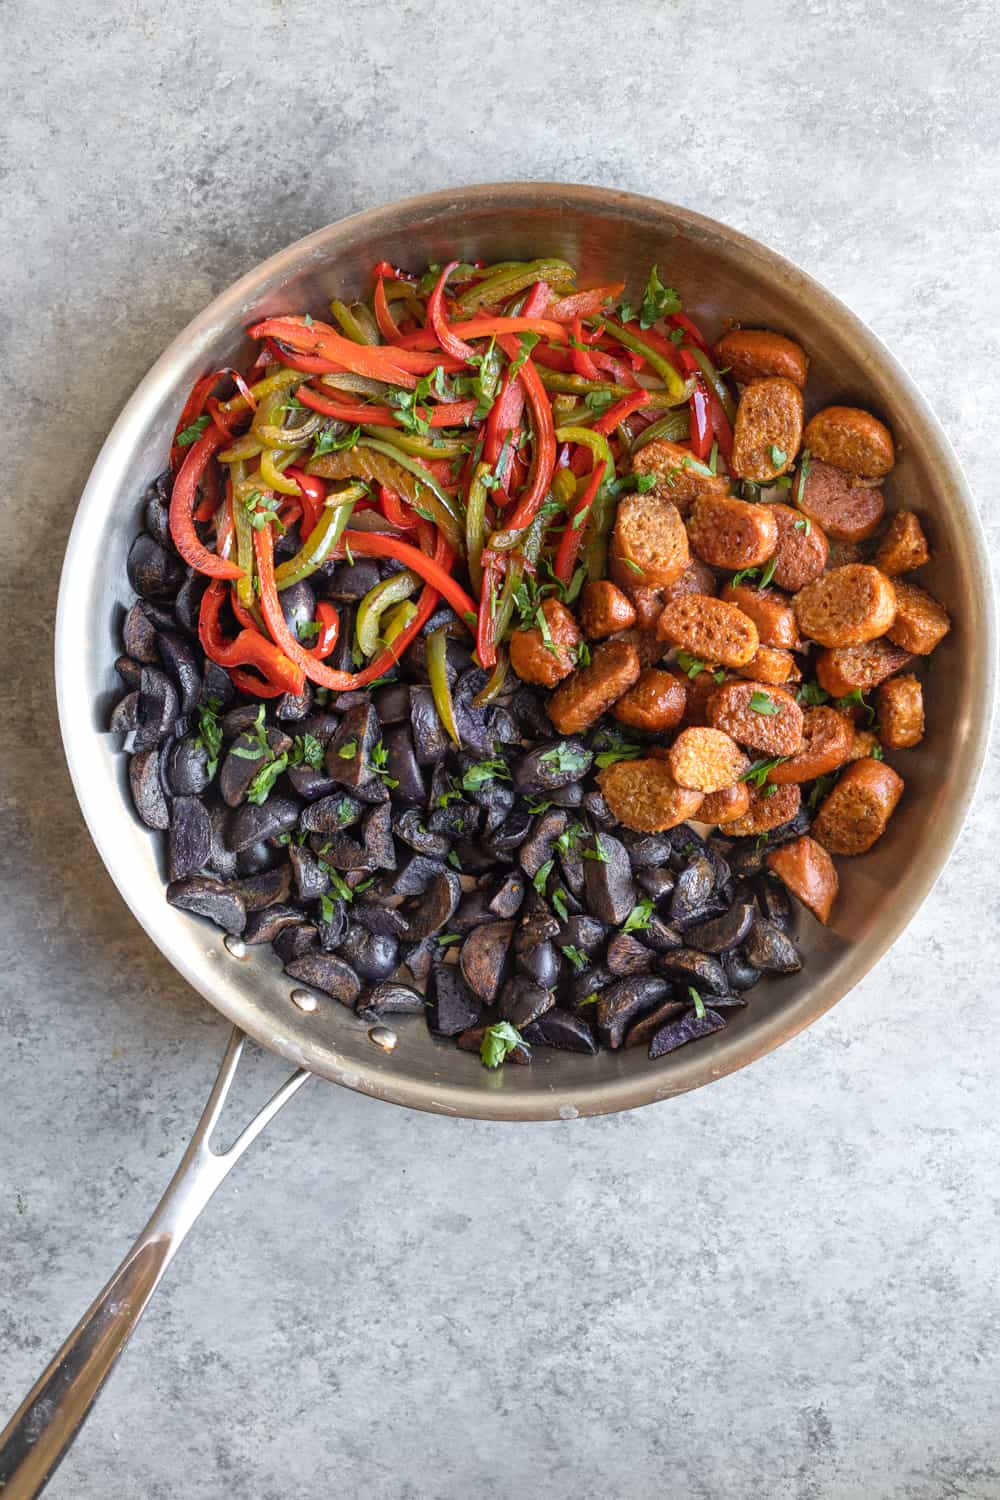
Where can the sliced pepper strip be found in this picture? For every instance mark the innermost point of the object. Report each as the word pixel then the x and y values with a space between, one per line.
pixel 621 409
pixel 485 328
pixel 387 324
pixel 249 649
pixel 313 495
pixel 253 686
pixel 582 362
pixel 543 446
pixel 329 631
pixel 437 674
pixel 320 342
pixel 394 511
pixel 185 538
pixel 449 341
pixel 585 304
pixel 657 359
pixel 447 414
pixel 572 537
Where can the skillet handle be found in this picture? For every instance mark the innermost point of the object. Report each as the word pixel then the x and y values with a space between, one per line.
pixel 48 1419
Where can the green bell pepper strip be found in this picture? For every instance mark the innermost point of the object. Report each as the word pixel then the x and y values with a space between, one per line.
pixel 507 280
pixel 362 385
pixel 351 324
pixel 372 459
pixel 417 447
pixel 272 464
pixel 715 380
pixel 677 387
pixel 397 619
pixel 279 380
pixel 674 427
pixel 564 485
pixel 437 672
pixel 389 591
pixel 595 541
pixel 244 538
pixel 531 545
pixel 322 539
pixel 475 524
pixel 244 447
pixel 595 441
pixel 563 384
pixel 268 428
pixel 494 686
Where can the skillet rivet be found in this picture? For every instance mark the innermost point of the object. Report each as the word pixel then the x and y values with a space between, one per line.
pixel 234 945
pixel 383 1037
pixel 305 1000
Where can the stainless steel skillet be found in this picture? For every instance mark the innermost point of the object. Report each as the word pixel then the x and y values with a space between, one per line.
pixel 610 236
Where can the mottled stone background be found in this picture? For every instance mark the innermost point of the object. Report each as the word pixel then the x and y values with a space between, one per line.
pixel 782 1286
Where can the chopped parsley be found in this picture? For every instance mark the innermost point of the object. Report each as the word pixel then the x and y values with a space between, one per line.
pixel 479 775
pixel 576 958
pixel 803 524
pixel 802 476
pixel 447 938
pixel 348 750
pixel 564 757
pixel 308 630
pixel 559 903
pixel 380 759
pixel 696 1001
pixel 306 750
pixel 262 510
pixel 192 433
pixel 597 852
pixel 811 694
pixel 692 665
pixel 590 999
pixel 256 734
pixel 638 918
pixel 856 700
pixel 763 703
pixel 820 788
pixel 658 301
pixel 541 876
pixel 757 774
pixel 499 1041
pixel 209 735
pixel 329 441
pixel 528 342
pixel 777 455
pixel 262 784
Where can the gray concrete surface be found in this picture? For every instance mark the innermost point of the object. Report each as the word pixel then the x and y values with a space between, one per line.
pixel 783 1286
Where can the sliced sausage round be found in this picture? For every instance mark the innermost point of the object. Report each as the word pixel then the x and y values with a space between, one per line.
pixel 756 353
pixel 768 429
pixel 802 549
pixel 729 533
pixel 845 669
pixel 846 510
pixel 583 698
pixel 771 664
pixel 643 795
pixel 769 808
pixel 808 872
pixel 827 737
pixel 725 806
pixel 851 439
pixel 546 656
pixel 903 546
pixel 697 578
pixel 901 712
pixel 679 477
pixel 706 760
pixel 605 609
pixel 855 813
pixel 649 539
pixel 920 622
pixel 770 611
pixel 709 629
pixel 758 715
pixel 656 702
pixel 846 607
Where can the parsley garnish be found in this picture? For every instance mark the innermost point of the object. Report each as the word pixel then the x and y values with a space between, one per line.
pixel 308 630
pixel 692 665
pixel 658 301
pixel 307 320
pixel 590 999
pixel 262 784
pixel 811 694
pixel 777 455
pixel 802 476
pixel 763 703
pixel 257 735
pixel 262 510
pixel 638 918
pixel 193 433
pixel 499 1041
pixel 535 806
pixel 327 441
pixel 696 1001
pixel 209 735
pixel 876 752
pixel 380 759
pixel 563 757
pixel 599 401
pixel 803 524
pixel 541 876
pixel 528 342
pixel 597 852
pixel 582 654
pixel 632 566
pixel 820 787
pixel 348 750
pixel 856 700
pixel 618 748
pixel 576 958
pixel 485 771
pixel 306 750
pixel 454 861
pixel 559 903
pixel 447 938
pixel 757 774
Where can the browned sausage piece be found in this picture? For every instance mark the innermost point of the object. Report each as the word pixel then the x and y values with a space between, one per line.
pixel 679 476
pixel 802 550
pixel 724 807
pixel 807 870
pixel 770 611
pixel 855 813
pixel 646 603
pixel 650 540
pixel 845 669
pixel 771 664
pixel 904 546
pixel 699 689
pixel 901 712
pixel 728 533
pixel 842 553
pixel 827 737
pixel 536 659
pixel 648 648
pixel 770 806
pixel 768 429
pixel 581 699
pixel 920 622
pixel 847 511
pixel 706 760
pixel 754 353
pixel 847 606
pixel 655 703
pixel 864 742
pixel 643 795
pixel 697 578
pixel 709 629
pixel 604 609
pixel 852 439
pixel 758 715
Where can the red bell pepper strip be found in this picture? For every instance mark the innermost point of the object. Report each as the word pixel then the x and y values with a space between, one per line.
pixel 313 495
pixel 395 512
pixel 387 325
pixel 321 342
pixel 447 414
pixel 486 645
pixel 383 270
pixel 619 371
pixel 617 413
pixel 483 328
pixel 253 686
pixel 329 632
pixel 693 332
pixel 249 648
pixel 377 544
pixel 505 417
pixel 449 341
pixel 554 359
pixel 700 438
pixel 721 428
pixel 585 304
pixel 572 537
pixel 185 538
pixel 537 300
pixel 543 446
pixel 197 402
pixel 582 362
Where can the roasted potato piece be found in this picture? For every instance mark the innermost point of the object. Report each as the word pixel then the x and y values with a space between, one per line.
pixel 920 623
pixel 728 533
pixel 846 607
pixel 581 699
pixel 901 712
pixel 768 429
pixel 903 546
pixel 846 510
pixel 604 609
pixel 709 629
pixel 679 478
pixel 654 703
pixel 649 540
pixel 756 353
pixel 769 808
pixel 547 662
pixel 851 439
pixel 855 813
pixel 802 549
pixel 643 795
pixel 827 737
pixel 758 715
pixel 707 760
pixel 808 872
pixel 845 669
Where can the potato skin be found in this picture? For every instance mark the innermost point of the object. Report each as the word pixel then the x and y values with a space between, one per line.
pixel 676 479
pixel 649 540
pixel 854 815
pixel 726 806
pixel 769 415
pixel 808 872
pixel 770 611
pixel 802 549
pixel 530 656
pixel 901 712
pixel 756 353
pixel 851 439
pixel 903 547
pixel 827 737
pixel 920 623
pixel 847 511
pixel 581 699
pixel 643 795
pixel 780 733
pixel 707 760
pixel 769 808
pixel 654 703
pixel 844 669
pixel 709 629
pixel 604 609
pixel 847 606
pixel 729 533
